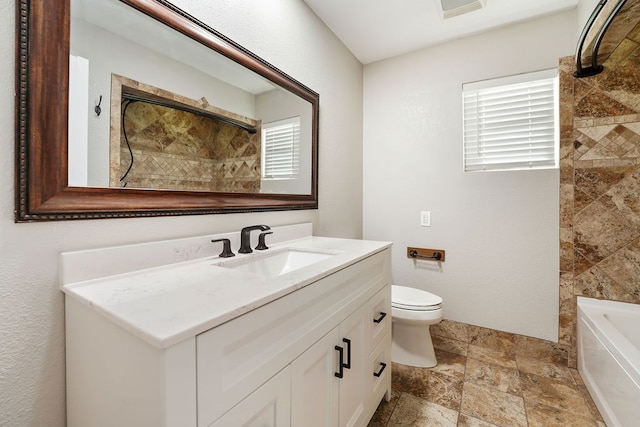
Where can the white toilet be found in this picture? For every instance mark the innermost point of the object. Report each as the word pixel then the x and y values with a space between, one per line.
pixel 412 312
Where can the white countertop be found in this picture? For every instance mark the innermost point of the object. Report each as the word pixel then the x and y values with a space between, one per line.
pixel 168 304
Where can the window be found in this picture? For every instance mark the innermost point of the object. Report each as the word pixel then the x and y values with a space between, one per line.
pixel 511 122
pixel 281 149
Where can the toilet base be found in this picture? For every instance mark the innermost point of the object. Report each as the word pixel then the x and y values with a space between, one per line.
pixel 412 345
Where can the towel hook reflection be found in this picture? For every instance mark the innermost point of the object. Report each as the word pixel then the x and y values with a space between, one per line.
pixel 97 109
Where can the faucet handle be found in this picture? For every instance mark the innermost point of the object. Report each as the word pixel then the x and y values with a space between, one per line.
pixel 245 237
pixel 226 248
pixel 261 244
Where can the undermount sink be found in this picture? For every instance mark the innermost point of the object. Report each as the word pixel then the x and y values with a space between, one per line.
pixel 277 263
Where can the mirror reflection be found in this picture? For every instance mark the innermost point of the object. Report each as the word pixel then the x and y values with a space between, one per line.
pixel 150 108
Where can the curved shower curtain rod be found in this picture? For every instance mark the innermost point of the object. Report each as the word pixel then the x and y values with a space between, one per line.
pixel 594 68
pixel 132 97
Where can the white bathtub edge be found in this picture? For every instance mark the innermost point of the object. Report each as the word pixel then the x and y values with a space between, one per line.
pixel 609 373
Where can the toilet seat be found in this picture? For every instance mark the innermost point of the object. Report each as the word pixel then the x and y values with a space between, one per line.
pixel 405 298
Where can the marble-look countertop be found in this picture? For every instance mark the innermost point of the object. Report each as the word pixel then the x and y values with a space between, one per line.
pixel 168 304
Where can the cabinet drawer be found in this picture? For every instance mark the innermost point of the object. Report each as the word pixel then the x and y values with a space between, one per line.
pixel 379 313
pixel 379 375
pixel 235 358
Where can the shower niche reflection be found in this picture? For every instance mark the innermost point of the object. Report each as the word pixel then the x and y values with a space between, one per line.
pixel 163 140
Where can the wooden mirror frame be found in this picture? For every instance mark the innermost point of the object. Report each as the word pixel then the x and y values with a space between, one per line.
pixel 42 86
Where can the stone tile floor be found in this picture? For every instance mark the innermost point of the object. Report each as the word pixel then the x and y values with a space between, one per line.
pixel 487 388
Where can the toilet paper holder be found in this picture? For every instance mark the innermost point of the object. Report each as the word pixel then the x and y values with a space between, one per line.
pixel 426 254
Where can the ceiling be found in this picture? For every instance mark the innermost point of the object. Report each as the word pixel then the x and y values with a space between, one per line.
pixel 377 29
pixel 119 18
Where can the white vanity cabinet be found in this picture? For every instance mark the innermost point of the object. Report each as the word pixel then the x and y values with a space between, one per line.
pixel 272 365
pixel 322 394
pixel 314 391
pixel 303 332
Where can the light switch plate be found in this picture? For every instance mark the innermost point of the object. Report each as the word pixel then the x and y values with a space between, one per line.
pixel 425 218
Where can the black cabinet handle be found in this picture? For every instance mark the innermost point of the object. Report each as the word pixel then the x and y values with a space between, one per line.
pixel 379 319
pixel 348 342
pixel 382 366
pixel 340 372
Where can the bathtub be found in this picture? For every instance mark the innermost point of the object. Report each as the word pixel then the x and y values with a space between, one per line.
pixel 609 358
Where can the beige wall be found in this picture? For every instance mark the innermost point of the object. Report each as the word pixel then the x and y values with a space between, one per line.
pixel 31 305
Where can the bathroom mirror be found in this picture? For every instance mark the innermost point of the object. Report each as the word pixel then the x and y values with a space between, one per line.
pixel 70 154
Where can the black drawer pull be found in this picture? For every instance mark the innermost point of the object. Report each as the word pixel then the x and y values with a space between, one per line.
pixel 340 372
pixel 382 366
pixel 348 342
pixel 379 319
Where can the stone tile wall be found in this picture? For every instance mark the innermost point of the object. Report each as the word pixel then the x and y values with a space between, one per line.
pixel 599 184
pixel 178 150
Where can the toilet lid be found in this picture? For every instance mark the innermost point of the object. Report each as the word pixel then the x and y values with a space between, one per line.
pixel 414 299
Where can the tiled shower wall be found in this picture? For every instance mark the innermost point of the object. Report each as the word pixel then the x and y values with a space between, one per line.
pixel 173 149
pixel 599 184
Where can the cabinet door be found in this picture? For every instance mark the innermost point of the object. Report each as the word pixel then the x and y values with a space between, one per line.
pixel 352 385
pixel 314 386
pixel 268 406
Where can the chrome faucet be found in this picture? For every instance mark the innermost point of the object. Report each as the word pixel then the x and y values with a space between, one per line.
pixel 245 237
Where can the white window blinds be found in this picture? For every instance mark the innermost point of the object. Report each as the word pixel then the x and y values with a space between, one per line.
pixel 510 123
pixel 281 149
